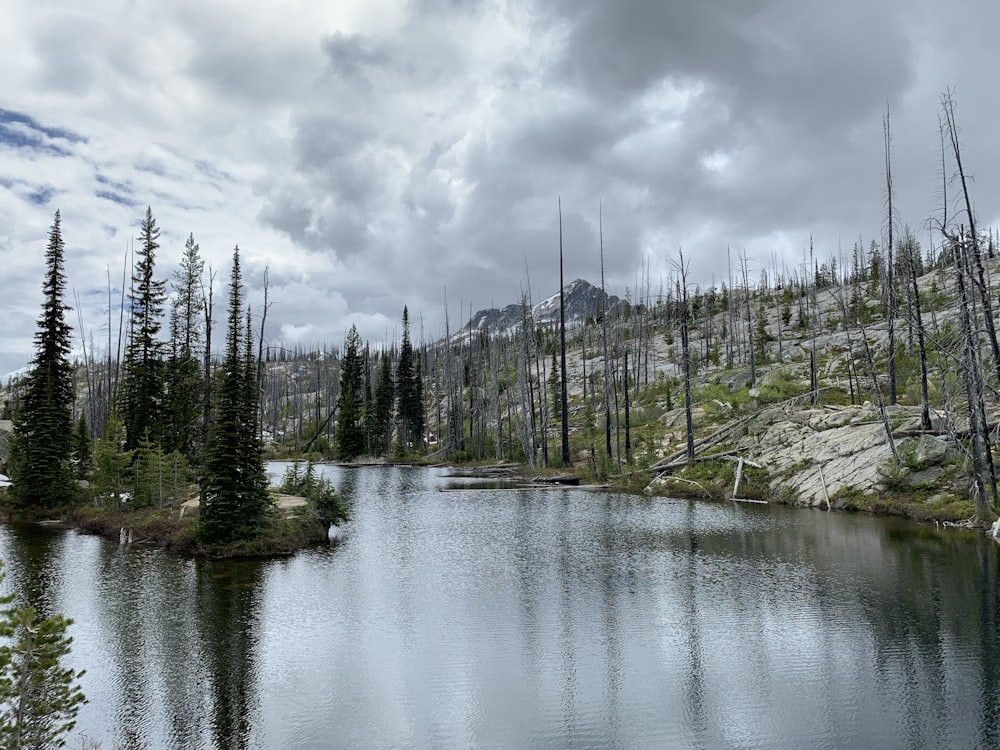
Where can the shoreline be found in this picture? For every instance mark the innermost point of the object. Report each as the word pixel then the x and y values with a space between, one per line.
pixel 293 526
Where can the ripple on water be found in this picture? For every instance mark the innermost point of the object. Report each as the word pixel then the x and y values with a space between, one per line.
pixel 548 619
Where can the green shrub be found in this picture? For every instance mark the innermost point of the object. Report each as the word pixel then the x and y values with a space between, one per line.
pixel 318 491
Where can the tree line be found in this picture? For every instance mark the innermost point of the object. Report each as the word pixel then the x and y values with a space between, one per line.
pixel 163 412
pixel 515 395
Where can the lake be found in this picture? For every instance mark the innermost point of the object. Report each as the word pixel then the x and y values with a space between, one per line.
pixel 455 614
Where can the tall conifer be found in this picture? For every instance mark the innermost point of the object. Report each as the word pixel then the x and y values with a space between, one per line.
pixel 409 391
pixel 42 443
pixel 234 499
pixel 383 406
pixel 142 393
pixel 184 377
pixel 350 435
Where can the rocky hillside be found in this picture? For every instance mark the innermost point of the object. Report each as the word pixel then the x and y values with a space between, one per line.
pixel 832 447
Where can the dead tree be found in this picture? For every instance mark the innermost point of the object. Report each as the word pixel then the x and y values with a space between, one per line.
pixel 979 277
pixel 566 459
pixel 983 473
pixel 682 301
pixel 890 285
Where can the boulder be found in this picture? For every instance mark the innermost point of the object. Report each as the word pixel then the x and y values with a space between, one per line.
pixel 924 478
pixel 929 451
pixel 738 380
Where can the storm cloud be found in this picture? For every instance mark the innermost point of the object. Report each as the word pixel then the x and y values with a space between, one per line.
pixel 371 155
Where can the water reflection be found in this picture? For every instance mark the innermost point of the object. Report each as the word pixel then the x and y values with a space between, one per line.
pixel 228 620
pixel 174 646
pixel 538 619
pixel 31 556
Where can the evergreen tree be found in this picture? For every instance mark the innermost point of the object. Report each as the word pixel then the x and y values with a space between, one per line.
pixel 83 453
pixel 39 697
pixel 385 397
pixel 350 435
pixel 184 378
pixel 146 475
pixel 368 419
pixel 760 333
pixel 555 390
pixel 409 391
pixel 42 443
pixel 142 395
pixel 111 479
pixel 234 498
pixel 875 268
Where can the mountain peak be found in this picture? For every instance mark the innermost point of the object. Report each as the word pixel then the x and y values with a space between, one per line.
pixel 582 299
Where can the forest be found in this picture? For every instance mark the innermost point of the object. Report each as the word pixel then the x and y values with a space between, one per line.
pixel 627 392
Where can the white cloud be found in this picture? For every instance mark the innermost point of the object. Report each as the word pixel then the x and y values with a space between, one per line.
pixel 375 154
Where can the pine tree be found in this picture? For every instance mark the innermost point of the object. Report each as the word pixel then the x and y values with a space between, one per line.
pixel 350 435
pixel 555 390
pixel 234 499
pixel 409 391
pixel 39 697
pixel 142 395
pixel 385 397
pixel 111 479
pixel 42 443
pixel 184 378
pixel 83 450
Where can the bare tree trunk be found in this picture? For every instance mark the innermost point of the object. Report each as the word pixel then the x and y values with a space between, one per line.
pixel 918 320
pixel 566 459
pixel 983 475
pixel 873 374
pixel 260 357
pixel 978 278
pixel 604 336
pixel 851 369
pixel 543 407
pixel 890 282
pixel 628 424
pixel 682 300
pixel 206 404
pixel 746 297
pixel 813 323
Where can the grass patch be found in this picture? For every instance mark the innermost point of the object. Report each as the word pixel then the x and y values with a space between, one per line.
pixel 919 506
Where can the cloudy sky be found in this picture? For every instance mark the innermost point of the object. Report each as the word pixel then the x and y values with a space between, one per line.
pixel 371 153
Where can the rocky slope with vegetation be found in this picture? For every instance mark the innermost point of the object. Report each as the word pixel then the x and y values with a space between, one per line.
pixel 867 380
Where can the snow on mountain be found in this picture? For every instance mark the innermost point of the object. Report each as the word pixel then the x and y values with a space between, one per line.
pixel 583 300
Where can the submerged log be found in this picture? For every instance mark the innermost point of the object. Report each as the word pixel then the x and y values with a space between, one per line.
pixel 565 479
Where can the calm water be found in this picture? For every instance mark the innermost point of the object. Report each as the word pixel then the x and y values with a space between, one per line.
pixel 544 619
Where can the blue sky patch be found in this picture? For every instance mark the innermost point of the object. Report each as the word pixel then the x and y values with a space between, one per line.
pixel 121 187
pixel 121 200
pixel 41 195
pixel 21 131
pixel 151 166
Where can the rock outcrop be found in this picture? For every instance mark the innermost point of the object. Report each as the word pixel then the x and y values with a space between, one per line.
pixel 815 454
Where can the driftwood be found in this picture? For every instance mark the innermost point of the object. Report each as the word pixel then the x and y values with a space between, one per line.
pixel 565 479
